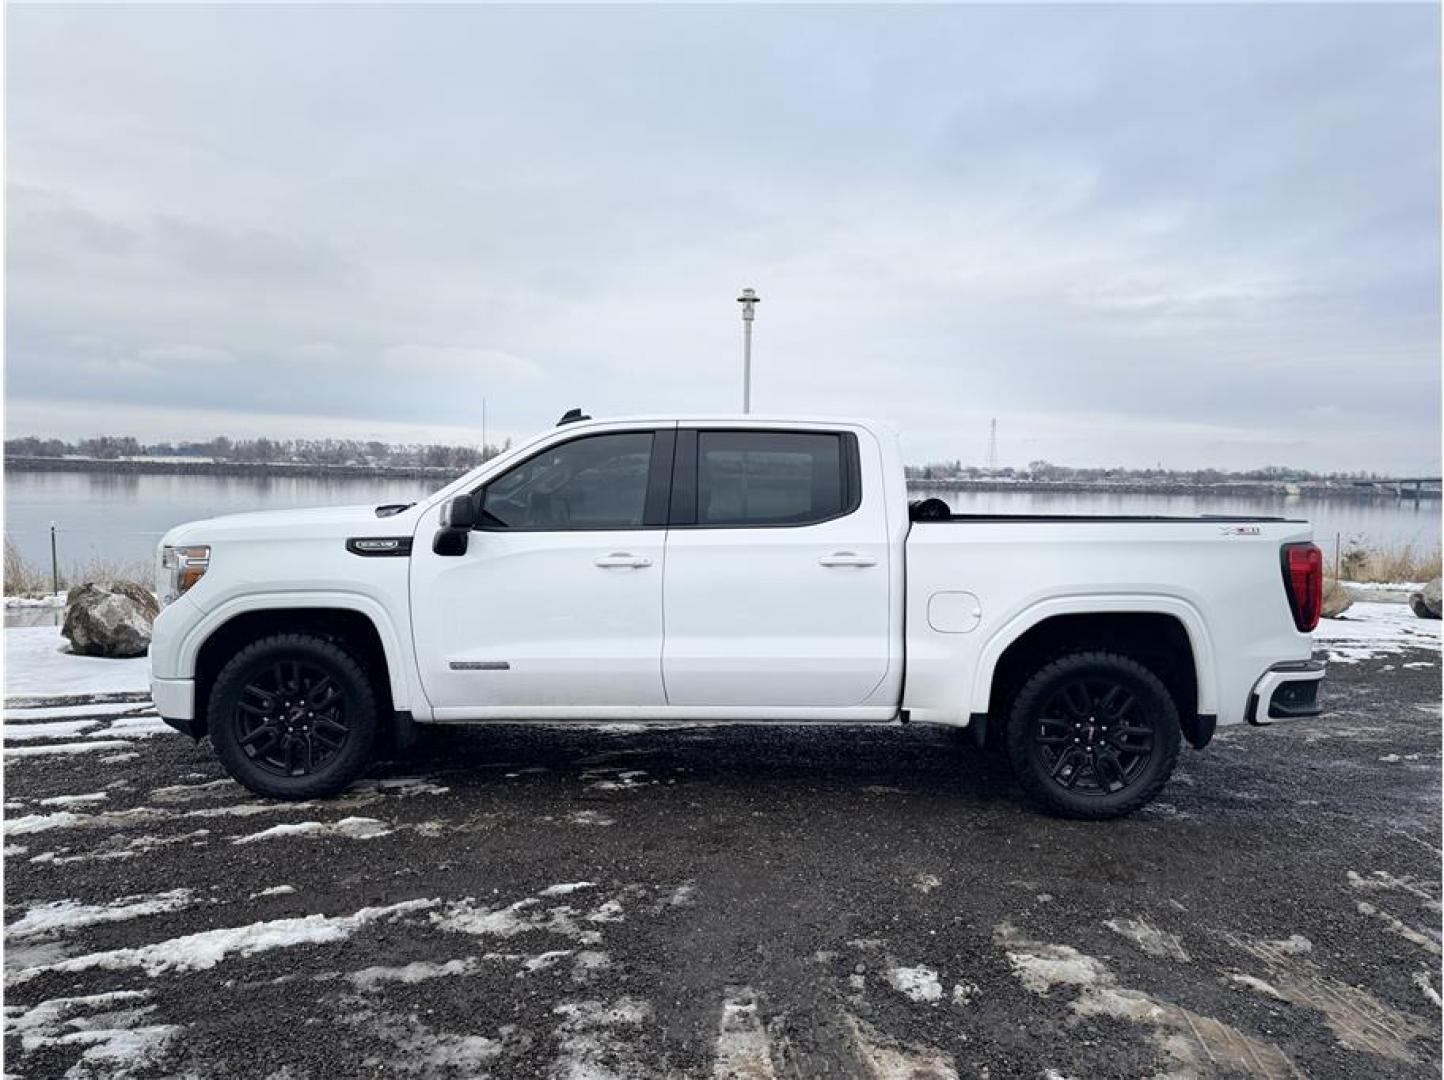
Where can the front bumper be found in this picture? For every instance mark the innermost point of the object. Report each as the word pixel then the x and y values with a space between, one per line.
pixel 1288 691
pixel 175 701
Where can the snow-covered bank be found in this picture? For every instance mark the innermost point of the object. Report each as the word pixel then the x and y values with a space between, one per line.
pixel 1371 629
pixel 37 666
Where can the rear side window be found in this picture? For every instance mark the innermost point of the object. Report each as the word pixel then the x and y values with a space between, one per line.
pixel 596 482
pixel 771 478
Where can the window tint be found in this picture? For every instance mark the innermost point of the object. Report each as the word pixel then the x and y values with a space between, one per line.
pixel 768 478
pixel 597 482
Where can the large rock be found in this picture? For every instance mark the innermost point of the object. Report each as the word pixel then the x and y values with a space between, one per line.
pixel 1425 602
pixel 1337 599
pixel 112 621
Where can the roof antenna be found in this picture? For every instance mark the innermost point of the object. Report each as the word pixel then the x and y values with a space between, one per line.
pixel 571 416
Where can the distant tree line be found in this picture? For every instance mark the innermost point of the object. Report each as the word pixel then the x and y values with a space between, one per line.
pixel 1047 472
pixel 263 450
pixel 439 455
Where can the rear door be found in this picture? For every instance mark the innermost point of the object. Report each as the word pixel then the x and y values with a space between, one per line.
pixel 776 584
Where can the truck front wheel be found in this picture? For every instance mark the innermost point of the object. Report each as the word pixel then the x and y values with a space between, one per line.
pixel 293 716
pixel 1093 735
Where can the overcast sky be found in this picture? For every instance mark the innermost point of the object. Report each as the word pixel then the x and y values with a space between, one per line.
pixel 1200 236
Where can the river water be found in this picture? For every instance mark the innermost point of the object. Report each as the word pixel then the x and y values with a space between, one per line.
pixel 119 517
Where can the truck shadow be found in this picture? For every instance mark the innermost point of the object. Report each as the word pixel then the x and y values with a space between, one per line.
pixel 609 759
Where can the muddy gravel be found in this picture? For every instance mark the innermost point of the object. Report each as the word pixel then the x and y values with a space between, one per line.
pixel 729 901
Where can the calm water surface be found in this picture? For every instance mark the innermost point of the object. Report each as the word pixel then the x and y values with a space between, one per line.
pixel 120 517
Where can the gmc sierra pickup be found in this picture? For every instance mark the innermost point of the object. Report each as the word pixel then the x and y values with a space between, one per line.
pixel 733 569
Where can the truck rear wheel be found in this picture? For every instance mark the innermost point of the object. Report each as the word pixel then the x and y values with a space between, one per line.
pixel 1093 735
pixel 293 716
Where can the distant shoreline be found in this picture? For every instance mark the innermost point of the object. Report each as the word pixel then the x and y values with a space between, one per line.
pixel 442 473
pixel 173 467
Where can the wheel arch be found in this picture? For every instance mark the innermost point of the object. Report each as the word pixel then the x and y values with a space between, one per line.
pixel 361 624
pixel 1167 636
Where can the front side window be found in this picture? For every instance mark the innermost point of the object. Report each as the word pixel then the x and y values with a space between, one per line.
pixel 768 478
pixel 595 482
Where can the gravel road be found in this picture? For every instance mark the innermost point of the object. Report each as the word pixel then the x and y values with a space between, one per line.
pixel 729 901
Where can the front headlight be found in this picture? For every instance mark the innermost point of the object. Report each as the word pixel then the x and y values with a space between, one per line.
pixel 181 567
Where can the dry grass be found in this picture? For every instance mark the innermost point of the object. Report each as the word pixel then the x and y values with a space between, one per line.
pixel 26 579
pixel 1402 562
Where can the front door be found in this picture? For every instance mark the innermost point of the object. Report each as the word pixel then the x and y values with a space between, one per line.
pixel 777 590
pixel 556 604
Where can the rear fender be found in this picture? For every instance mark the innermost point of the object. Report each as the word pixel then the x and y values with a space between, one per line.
pixel 1025 620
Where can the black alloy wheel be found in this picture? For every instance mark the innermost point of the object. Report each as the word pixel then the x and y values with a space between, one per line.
pixel 291 718
pixel 294 716
pixel 1090 737
pixel 1093 735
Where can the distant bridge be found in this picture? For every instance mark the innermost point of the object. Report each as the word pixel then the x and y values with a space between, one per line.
pixel 1406 487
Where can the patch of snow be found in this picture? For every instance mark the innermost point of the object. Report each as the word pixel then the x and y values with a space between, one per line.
pixel 59 729
pixel 74 800
pixel 206 949
pixel 111 759
pixel 926 883
pixel 1397 926
pixel 67 748
pixel 420 1050
pixel 275 890
pixel 1041 966
pixel 1370 630
pixel 34 823
pixel 76 711
pixel 136 727
pixel 589 817
pixel 59 916
pixel 49 600
pixel 180 793
pixel 1149 938
pixel 917 983
pixel 356 828
pixel 113 1038
pixel 743 1049
pixel 418 971
pixel 888 1060
pixel 36 664
pixel 611 911
pixel 563 890
pixel 139 845
pixel 590 1044
pixel 542 961
pixel 1258 986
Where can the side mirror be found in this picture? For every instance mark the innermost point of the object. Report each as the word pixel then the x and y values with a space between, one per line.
pixel 457 518
pixel 459 513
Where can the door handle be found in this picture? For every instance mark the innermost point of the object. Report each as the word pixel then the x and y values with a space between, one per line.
pixel 622 558
pixel 846 558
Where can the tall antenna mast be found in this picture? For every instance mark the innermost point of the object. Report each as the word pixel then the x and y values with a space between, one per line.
pixel 993 444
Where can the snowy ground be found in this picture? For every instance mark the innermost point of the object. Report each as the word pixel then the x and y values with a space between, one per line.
pixel 1370 630
pixel 728 902
pixel 37 666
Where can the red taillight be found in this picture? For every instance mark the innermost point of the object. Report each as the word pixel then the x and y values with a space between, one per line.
pixel 1304 582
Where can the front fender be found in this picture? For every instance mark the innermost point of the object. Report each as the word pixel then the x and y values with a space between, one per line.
pixel 406 694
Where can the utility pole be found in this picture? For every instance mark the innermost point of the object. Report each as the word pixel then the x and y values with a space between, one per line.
pixel 749 300
pixel 483 427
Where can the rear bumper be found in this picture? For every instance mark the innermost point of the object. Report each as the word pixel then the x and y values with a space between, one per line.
pixel 175 701
pixel 1288 691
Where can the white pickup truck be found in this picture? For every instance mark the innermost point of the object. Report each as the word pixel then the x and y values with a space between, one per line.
pixel 730 569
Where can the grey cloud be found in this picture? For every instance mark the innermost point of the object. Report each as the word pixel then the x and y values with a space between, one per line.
pixel 1201 234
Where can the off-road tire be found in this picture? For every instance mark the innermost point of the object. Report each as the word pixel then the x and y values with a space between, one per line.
pixel 255 667
pixel 1086 744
